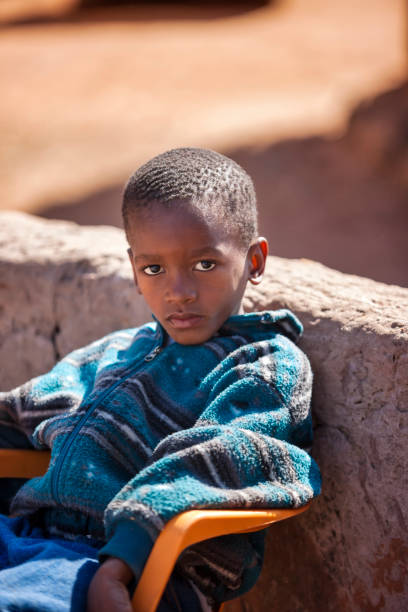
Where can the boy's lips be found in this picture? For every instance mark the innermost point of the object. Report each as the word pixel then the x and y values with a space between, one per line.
pixel 184 320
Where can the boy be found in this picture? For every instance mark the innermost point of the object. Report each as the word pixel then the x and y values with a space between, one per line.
pixel 205 407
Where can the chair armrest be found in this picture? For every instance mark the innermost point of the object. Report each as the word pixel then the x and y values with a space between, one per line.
pixel 19 463
pixel 189 528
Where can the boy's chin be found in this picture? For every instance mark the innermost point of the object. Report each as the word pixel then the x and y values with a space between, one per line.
pixel 189 338
pixel 196 331
pixel 197 335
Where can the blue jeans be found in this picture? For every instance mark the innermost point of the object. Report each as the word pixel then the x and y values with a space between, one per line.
pixel 40 574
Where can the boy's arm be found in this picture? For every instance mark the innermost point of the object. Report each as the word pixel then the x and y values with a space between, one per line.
pixel 41 398
pixel 17 422
pixel 246 450
pixel 48 395
pixel 25 407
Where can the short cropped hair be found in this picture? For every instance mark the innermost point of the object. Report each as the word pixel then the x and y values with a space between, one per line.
pixel 211 183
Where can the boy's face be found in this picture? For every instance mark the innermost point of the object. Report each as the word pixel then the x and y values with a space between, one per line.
pixel 190 272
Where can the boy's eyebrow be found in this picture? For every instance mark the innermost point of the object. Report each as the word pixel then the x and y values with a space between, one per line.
pixel 207 250
pixel 146 256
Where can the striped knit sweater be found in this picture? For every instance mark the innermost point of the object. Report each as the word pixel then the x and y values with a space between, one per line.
pixel 141 429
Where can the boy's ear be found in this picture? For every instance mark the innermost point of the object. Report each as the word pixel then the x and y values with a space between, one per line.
pixel 257 254
pixel 130 255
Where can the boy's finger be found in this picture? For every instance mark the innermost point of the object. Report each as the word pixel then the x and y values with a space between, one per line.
pixel 108 595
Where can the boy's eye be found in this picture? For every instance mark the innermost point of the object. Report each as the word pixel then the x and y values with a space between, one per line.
pixel 204 265
pixel 153 270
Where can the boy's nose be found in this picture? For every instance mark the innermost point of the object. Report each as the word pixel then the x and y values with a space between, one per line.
pixel 181 290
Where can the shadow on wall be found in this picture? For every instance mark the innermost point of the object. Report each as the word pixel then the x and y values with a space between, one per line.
pixel 342 202
pixel 67 11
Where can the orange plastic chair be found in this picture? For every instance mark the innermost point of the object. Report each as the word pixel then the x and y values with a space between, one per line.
pixel 23 463
pixel 180 532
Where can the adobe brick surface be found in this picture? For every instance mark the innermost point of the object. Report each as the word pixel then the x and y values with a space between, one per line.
pixel 62 285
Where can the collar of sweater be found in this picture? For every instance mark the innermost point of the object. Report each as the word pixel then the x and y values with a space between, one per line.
pixel 288 323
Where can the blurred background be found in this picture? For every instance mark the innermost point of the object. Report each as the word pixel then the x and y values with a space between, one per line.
pixel 310 96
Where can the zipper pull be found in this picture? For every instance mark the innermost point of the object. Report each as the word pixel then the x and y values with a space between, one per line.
pixel 153 354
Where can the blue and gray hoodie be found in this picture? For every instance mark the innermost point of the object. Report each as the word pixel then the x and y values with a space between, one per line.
pixel 141 429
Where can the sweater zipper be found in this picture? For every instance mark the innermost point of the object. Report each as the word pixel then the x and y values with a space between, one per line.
pixel 70 440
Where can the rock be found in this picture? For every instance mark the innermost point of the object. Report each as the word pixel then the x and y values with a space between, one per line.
pixel 61 286
pixel 350 550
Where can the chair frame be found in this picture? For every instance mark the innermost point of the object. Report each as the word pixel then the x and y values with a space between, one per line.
pixel 181 531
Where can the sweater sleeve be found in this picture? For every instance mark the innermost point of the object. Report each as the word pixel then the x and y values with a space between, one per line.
pixel 247 449
pixel 50 395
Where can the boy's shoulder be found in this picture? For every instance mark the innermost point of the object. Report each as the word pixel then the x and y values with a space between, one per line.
pixel 264 323
pixel 109 347
pixel 266 338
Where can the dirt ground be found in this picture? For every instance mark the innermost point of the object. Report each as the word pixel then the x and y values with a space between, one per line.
pixel 310 97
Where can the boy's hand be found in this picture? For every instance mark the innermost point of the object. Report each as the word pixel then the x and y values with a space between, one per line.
pixel 107 591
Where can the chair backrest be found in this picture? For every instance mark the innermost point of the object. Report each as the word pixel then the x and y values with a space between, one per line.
pixel 23 463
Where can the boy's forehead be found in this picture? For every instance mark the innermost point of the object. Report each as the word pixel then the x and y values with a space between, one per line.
pixel 178 223
pixel 157 213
